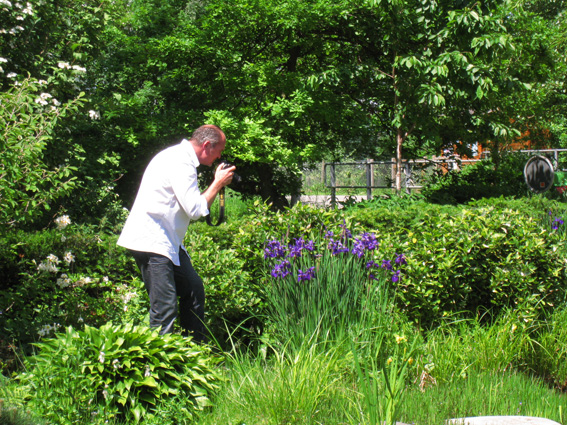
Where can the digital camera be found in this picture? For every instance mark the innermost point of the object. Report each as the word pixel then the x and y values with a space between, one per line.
pixel 235 177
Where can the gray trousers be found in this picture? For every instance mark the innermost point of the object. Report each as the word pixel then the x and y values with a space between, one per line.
pixel 165 283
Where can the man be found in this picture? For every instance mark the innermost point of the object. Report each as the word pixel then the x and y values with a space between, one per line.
pixel 167 200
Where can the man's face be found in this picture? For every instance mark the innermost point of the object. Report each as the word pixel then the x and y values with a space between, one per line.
pixel 212 153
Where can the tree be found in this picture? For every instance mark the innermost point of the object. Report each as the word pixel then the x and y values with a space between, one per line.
pixel 435 72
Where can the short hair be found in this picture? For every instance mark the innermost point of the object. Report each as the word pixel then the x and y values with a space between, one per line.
pixel 209 132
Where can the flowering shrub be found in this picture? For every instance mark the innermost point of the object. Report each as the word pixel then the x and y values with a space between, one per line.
pixel 323 285
pixel 66 276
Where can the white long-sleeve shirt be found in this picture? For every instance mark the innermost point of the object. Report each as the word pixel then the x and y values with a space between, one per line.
pixel 168 199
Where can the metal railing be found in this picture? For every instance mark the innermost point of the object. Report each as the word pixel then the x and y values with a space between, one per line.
pixel 371 174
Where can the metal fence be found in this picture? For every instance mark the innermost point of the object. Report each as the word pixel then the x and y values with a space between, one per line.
pixel 372 175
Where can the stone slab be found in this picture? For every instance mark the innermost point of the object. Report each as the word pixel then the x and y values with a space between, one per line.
pixel 501 420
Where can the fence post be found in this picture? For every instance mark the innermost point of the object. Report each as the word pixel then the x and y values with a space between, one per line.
pixel 394 172
pixel 369 178
pixel 407 172
pixel 333 186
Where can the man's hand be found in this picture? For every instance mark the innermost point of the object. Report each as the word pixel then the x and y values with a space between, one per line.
pixel 224 175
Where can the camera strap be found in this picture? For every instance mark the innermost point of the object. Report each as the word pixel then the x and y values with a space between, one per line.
pixel 221 210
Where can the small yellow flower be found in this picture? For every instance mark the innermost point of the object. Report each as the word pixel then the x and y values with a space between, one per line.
pixel 400 339
pixel 410 360
pixel 390 360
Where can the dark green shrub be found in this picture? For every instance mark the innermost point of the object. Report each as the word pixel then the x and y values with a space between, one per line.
pixel 59 277
pixel 480 180
pixel 116 373
pixel 480 259
pixel 496 253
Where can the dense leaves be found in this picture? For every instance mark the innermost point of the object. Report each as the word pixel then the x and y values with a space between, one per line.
pixel 117 372
pixel 291 83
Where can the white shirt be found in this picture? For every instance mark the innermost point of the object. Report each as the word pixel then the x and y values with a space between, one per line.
pixel 168 199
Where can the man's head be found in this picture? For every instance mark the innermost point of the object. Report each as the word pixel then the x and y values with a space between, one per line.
pixel 209 142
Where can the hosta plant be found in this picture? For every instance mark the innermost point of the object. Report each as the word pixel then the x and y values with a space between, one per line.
pixel 117 373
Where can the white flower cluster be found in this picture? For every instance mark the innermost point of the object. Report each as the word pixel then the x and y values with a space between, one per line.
pixel 69 257
pixel 62 222
pixel 20 12
pixel 83 281
pixel 94 115
pixel 43 100
pixel 49 265
pixel 65 65
pixel 63 281
pixel 47 330
pixel 127 297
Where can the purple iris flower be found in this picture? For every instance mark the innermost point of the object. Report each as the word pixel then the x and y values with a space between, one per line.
pixel 558 221
pixel 358 248
pixel 336 247
pixel 396 276
pixel 274 249
pixel 369 241
pixel 387 264
pixel 370 264
pixel 306 275
pixel 400 260
pixel 281 269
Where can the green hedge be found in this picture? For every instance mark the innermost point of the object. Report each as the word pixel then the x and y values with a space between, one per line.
pixel 485 256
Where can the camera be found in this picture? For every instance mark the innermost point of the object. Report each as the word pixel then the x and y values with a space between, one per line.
pixel 235 177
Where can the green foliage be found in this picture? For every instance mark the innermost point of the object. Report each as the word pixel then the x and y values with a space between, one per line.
pixel 121 373
pixel 483 179
pixel 232 296
pixel 548 357
pixel 28 182
pixel 60 277
pixel 480 259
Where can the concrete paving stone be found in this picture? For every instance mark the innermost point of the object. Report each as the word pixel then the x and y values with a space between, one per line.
pixel 501 420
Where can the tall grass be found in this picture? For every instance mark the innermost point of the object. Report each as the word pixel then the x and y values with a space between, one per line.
pixel 292 385
pixel 464 369
pixel 487 393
